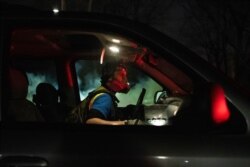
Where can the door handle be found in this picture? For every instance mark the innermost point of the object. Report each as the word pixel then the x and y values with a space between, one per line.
pixel 23 161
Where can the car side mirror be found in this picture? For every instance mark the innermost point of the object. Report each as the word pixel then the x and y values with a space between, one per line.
pixel 160 96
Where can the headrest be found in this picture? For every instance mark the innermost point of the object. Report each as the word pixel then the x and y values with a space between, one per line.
pixel 45 94
pixel 18 83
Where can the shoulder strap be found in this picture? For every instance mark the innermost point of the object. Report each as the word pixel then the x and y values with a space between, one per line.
pixel 91 100
pixel 94 94
pixel 79 113
pixel 102 90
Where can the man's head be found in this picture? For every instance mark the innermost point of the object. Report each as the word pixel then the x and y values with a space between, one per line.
pixel 46 94
pixel 114 77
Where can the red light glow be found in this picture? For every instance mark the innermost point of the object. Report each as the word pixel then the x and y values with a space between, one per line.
pixel 220 111
pixel 69 77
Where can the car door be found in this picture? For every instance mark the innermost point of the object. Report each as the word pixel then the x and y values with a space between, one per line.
pixel 39 42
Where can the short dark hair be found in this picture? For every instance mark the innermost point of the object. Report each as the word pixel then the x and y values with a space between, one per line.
pixel 109 69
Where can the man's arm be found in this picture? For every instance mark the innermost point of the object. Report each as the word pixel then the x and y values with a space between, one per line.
pixel 99 111
pixel 100 121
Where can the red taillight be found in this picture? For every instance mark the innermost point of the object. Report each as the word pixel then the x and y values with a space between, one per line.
pixel 220 111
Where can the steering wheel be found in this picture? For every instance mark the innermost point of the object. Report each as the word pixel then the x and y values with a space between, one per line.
pixel 139 103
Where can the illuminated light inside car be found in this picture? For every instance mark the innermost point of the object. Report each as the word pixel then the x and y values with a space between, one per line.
pixel 162 157
pixel 114 49
pixel 139 61
pixel 102 56
pixel 116 40
pixel 55 10
pixel 220 111
pixel 157 122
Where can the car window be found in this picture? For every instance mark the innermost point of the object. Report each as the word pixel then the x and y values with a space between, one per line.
pixel 88 74
pixel 57 53
pixel 68 63
pixel 145 70
pixel 37 72
pixel 33 91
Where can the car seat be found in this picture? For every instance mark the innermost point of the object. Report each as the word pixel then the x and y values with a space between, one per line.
pixel 46 100
pixel 19 108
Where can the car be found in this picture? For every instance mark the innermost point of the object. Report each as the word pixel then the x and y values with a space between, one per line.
pixel 193 115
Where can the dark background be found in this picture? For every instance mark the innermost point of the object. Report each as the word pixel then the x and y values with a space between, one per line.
pixel 218 30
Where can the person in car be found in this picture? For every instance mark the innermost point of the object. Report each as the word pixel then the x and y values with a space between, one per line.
pixel 100 106
pixel 46 100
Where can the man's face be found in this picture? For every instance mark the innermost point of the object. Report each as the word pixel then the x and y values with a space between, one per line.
pixel 121 75
pixel 119 81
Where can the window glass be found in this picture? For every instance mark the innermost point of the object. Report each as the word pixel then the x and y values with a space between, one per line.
pixel 41 53
pixel 33 94
pixel 37 72
pixel 89 73
pixel 175 94
pixel 88 76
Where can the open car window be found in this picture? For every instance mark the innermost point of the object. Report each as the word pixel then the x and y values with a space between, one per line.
pixel 88 72
pixel 69 61
pixel 52 55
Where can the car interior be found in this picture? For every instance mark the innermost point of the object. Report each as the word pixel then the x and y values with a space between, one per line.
pixel 51 70
pixel 20 109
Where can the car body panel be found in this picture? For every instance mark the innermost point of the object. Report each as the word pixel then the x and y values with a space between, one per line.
pixel 141 147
